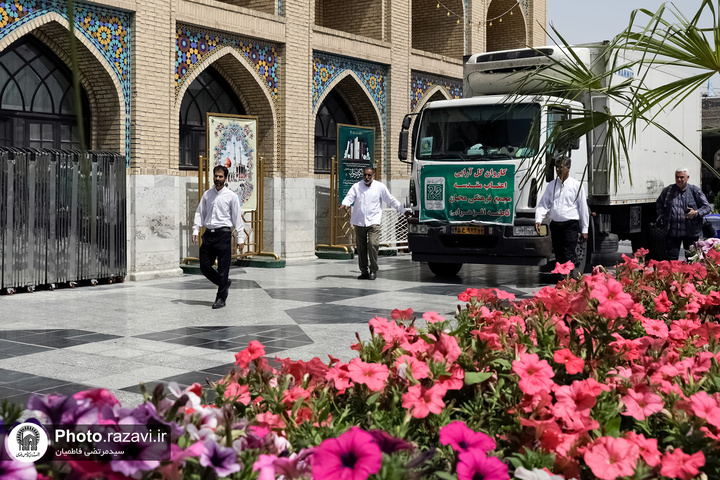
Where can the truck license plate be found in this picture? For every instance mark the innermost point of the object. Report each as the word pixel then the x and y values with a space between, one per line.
pixel 469 230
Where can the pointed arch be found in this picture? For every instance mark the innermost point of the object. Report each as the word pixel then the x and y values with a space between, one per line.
pixel 249 88
pixel 505 26
pixel 108 106
pixel 437 92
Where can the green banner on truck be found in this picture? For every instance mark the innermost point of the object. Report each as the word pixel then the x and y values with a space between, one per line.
pixel 463 193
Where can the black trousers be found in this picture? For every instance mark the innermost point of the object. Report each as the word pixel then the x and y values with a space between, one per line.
pixel 672 245
pixel 564 240
pixel 216 245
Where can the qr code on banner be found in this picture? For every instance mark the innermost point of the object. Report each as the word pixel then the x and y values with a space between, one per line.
pixel 435 193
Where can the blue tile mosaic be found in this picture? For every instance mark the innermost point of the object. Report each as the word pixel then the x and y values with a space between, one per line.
pixel 422 82
pixel 108 30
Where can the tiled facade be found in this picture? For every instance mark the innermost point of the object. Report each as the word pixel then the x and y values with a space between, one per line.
pixel 137 57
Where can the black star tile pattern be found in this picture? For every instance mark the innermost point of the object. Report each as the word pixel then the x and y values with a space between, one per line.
pixel 14 343
pixel 275 338
pixel 16 387
pixel 329 314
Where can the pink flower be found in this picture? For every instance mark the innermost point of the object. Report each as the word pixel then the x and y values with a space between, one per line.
pixel 445 349
pixel 572 363
pixel 352 456
pixel 99 397
pixel 648 447
pixel 564 268
pixel 641 405
pixel 433 317
pixel 339 374
pixel 240 393
pixel 535 374
pixel 613 302
pixel 421 401
pixel 705 406
pixel 398 314
pixel 474 464
pixel 373 375
pixel 662 304
pixel 461 438
pixel 656 328
pixel 293 395
pixel 610 458
pixel 254 350
pixel 679 464
pixel 417 368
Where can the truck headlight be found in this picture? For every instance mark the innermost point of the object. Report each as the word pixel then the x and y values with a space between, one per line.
pixel 418 228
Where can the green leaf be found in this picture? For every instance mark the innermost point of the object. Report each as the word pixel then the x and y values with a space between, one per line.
pixel 502 362
pixel 445 476
pixel 373 398
pixel 612 427
pixel 471 378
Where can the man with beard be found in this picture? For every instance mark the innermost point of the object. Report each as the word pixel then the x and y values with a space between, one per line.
pixel 218 211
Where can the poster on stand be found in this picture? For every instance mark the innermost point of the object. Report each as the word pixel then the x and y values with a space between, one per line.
pixel 231 141
pixel 356 151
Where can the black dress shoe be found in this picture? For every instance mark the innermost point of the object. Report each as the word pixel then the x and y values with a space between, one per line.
pixel 364 276
pixel 219 303
pixel 373 275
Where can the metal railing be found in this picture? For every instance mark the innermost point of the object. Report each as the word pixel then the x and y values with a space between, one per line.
pixel 61 220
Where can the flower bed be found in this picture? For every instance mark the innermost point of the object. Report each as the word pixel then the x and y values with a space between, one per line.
pixel 610 376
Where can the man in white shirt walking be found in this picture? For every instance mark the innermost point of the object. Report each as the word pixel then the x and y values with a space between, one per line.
pixel 367 197
pixel 565 200
pixel 218 211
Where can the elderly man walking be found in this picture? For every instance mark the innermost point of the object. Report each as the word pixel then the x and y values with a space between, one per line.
pixel 367 197
pixel 681 207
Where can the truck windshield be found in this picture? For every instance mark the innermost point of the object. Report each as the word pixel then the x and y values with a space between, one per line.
pixel 479 132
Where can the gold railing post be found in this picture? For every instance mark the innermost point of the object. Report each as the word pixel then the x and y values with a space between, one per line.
pixel 261 200
pixel 333 201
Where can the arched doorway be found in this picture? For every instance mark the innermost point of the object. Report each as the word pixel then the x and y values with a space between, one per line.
pixel 37 99
pixel 332 111
pixel 209 92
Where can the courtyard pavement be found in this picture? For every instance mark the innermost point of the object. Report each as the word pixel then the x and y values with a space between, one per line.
pixel 119 335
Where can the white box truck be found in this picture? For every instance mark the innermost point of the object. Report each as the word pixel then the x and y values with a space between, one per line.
pixel 472 197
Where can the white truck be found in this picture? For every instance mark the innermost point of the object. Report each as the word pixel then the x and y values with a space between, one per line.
pixel 472 198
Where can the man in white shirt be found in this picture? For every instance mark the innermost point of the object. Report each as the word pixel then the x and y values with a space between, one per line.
pixel 218 211
pixel 565 200
pixel 366 197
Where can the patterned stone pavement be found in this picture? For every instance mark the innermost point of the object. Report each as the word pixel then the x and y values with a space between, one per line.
pixel 117 336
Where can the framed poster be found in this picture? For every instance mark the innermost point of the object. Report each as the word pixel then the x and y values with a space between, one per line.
pixel 468 192
pixel 356 151
pixel 231 141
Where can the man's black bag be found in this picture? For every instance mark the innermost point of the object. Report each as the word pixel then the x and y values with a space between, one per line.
pixel 708 230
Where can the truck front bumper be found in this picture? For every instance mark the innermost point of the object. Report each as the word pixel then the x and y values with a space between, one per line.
pixel 496 246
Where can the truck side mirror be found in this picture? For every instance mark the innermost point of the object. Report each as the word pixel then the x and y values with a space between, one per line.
pixel 403 144
pixel 406 122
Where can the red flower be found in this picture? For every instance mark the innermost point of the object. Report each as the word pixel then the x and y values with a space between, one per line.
pixel 474 464
pixel 613 301
pixel 421 401
pixel 610 458
pixel 293 395
pixel 352 456
pixel 535 374
pixel 679 464
pixel 254 350
pixel 564 268
pixel 572 363
pixel 398 314
pixel 461 438
pixel 662 304
pixel 373 375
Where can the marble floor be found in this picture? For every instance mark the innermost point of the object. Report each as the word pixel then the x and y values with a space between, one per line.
pixel 118 336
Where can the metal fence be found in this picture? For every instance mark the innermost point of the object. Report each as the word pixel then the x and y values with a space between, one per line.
pixel 61 220
pixel 393 230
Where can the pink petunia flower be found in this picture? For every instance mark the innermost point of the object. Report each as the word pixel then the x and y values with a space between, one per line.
pixel 656 328
pixel 433 317
pixel 240 393
pixel 648 447
pixel 422 401
pixel 398 314
pixel 352 456
pixel 641 405
pixel 293 395
pixel 462 438
pixel 563 268
pixel 662 303
pixel 705 406
pixel 535 374
pixel 445 349
pixel 417 368
pixel 613 301
pixel 339 374
pixel 254 350
pixel 610 458
pixel 572 363
pixel 474 464
pixel 373 375
pixel 679 464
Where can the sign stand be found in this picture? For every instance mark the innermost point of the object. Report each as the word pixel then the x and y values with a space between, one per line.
pixel 254 256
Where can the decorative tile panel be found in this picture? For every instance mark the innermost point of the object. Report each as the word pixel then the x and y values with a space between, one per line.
pixel 108 30
pixel 192 45
pixel 422 82
pixel 327 67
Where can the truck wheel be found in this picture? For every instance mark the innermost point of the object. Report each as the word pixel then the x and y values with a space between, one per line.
pixel 606 243
pixel 656 244
pixel 445 269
